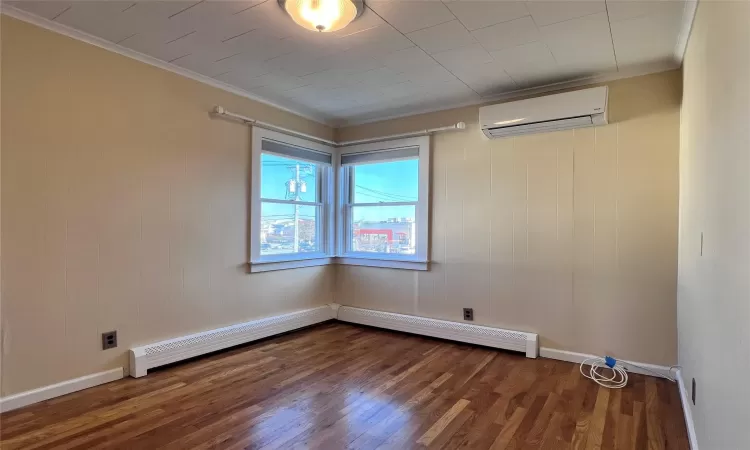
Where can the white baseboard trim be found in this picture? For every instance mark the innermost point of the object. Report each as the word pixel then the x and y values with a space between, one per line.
pixel 456 331
pixel 59 389
pixel 630 366
pixel 184 347
pixel 687 411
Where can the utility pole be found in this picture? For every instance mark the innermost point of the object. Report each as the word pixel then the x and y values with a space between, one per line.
pixel 295 187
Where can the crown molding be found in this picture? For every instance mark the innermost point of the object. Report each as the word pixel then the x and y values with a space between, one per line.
pixel 688 16
pixel 636 71
pixel 681 45
pixel 82 36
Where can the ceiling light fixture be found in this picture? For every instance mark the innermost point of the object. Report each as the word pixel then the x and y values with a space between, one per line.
pixel 323 15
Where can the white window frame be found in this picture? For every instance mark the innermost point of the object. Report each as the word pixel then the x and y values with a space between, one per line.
pixel 418 261
pixel 325 227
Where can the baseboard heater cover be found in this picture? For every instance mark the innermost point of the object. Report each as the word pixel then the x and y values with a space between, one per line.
pixel 165 352
pixel 456 331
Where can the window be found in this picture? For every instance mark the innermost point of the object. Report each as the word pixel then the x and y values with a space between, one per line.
pixel 381 218
pixel 384 199
pixel 291 212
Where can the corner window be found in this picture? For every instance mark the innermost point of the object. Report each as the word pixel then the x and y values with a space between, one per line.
pixel 291 205
pixel 312 204
pixel 384 190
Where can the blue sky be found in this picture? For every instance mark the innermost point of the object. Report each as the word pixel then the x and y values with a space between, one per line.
pixel 374 183
pixel 395 181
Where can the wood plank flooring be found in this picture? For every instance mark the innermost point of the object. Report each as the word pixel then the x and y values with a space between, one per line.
pixel 337 386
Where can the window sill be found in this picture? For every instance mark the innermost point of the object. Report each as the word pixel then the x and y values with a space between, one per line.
pixel 387 263
pixel 268 266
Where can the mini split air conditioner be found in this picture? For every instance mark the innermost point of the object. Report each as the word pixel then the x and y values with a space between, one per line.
pixel 577 109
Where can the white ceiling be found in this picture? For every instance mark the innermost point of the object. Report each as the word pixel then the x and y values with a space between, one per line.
pixel 399 57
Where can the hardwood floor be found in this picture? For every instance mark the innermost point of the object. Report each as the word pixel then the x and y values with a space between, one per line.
pixel 339 386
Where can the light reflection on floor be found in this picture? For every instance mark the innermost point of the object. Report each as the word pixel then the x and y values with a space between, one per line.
pixel 335 418
pixel 370 409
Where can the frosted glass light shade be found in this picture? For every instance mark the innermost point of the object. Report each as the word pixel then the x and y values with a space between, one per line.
pixel 322 15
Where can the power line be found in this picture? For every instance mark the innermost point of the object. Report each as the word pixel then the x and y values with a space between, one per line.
pixel 376 198
pixel 385 195
pixel 379 196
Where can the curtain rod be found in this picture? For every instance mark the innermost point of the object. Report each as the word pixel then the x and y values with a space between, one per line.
pixel 221 112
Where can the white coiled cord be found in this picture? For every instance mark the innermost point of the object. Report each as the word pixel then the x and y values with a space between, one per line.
pixel 617 380
pixel 619 376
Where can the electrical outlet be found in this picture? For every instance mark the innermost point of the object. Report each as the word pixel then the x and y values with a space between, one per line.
pixel 468 314
pixel 693 391
pixel 109 340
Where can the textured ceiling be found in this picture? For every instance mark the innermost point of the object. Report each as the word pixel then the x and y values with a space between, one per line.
pixel 399 57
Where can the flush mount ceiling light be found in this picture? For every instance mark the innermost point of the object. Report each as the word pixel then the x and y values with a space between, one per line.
pixel 323 15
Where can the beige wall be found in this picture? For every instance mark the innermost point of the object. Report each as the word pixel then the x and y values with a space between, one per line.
pixel 124 207
pixel 572 235
pixel 714 288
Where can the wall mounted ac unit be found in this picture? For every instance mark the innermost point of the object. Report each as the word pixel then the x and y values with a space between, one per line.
pixel 577 109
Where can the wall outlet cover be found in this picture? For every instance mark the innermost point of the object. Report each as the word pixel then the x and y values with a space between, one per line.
pixel 109 340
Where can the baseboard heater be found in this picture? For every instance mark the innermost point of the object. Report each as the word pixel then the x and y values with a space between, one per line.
pixel 165 352
pixel 456 331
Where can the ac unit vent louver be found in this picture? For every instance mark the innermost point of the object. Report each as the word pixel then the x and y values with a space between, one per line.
pixel 577 109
